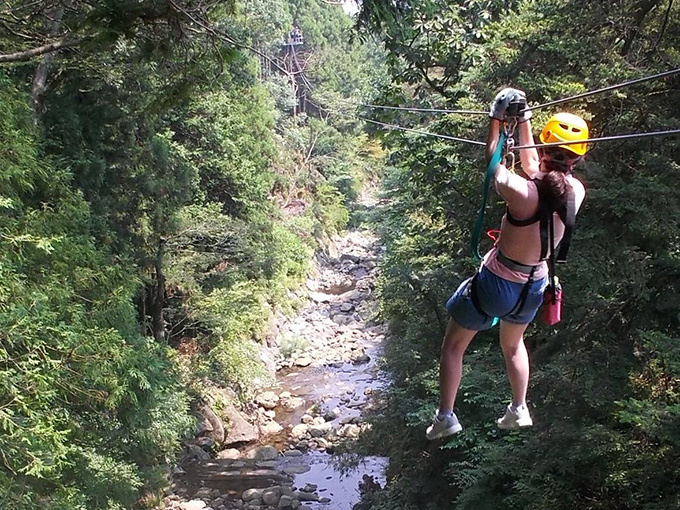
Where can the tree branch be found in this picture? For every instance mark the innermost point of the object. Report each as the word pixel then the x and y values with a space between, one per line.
pixel 22 56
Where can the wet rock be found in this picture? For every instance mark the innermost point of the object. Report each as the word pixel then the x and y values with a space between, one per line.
pixel 296 470
pixel 310 487
pixel 286 502
pixel 331 414
pixel 271 496
pixel 287 491
pixel 271 428
pixel 320 430
pixel 350 257
pixel 193 505
pixel 299 430
pixel 307 496
pixel 303 361
pixel 293 453
pixel 268 400
pixel 295 505
pixel 346 307
pixel 341 318
pixel 251 494
pixel 349 419
pixel 350 430
pixel 196 452
pixel 265 453
pixel 294 402
pixel 204 493
pixel 267 464
pixel 205 442
pixel 359 360
pixel 324 501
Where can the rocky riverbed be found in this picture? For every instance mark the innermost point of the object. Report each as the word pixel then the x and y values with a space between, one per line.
pixel 279 455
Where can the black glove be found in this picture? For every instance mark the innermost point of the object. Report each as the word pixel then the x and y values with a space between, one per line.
pixel 500 103
pixel 506 97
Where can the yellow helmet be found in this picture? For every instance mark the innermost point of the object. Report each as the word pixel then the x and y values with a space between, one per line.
pixel 566 127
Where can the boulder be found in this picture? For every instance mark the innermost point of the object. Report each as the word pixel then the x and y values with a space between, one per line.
pixel 251 494
pixel 268 400
pixel 217 432
pixel 320 430
pixel 271 428
pixel 266 453
pixel 271 496
pixel 196 452
pixel 296 470
pixel 331 414
pixel 303 361
pixel 240 430
pixel 193 505
pixel 229 453
pixel 299 430
pixel 286 502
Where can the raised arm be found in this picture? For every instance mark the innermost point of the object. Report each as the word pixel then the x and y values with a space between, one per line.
pixel 529 157
pixel 492 138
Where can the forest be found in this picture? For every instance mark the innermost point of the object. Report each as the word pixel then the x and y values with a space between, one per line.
pixel 167 174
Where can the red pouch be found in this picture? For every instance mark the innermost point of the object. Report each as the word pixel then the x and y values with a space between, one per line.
pixel 552 305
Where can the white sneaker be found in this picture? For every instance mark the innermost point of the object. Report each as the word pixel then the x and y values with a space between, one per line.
pixel 446 426
pixel 515 419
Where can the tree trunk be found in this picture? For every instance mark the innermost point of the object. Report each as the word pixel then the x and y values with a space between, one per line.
pixel 42 71
pixel 640 11
pixel 156 296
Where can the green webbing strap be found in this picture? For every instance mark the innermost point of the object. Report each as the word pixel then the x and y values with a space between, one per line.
pixel 479 224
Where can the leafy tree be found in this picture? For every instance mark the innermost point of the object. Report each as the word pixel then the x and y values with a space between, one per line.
pixel 604 382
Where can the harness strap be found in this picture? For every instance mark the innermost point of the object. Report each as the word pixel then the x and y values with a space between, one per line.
pixel 519 305
pixel 569 221
pixel 513 265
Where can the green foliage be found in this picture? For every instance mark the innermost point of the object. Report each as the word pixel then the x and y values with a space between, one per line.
pixel 604 383
pixel 158 205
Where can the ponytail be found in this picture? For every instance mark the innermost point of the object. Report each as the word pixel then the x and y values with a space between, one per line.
pixel 553 187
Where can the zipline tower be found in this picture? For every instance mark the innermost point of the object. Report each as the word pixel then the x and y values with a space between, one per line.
pixel 294 60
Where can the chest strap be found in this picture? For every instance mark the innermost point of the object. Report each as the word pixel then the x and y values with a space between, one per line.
pixel 544 215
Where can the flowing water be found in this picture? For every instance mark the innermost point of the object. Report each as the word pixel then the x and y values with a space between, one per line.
pixel 317 402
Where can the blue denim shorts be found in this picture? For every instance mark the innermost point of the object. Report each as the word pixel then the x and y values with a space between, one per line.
pixel 498 297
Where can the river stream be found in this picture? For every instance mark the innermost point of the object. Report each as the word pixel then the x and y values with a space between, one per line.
pixel 323 384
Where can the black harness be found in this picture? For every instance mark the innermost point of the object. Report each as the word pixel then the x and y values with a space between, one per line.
pixel 545 215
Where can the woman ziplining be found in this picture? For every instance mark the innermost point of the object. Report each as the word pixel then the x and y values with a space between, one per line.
pixel 514 274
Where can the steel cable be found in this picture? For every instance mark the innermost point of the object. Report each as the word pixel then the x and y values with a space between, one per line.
pixel 605 89
pixel 419 132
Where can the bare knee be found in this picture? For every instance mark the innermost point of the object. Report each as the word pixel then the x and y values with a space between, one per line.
pixel 456 339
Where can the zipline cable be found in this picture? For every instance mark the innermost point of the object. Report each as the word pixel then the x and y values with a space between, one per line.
pixel 605 89
pixel 424 110
pixel 419 132
pixel 612 138
pixel 413 109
